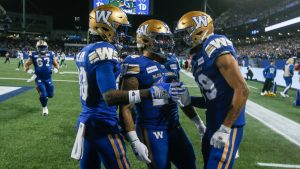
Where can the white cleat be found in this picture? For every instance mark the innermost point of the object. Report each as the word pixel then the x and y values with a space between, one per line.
pixel 33 77
pixel 45 111
pixel 282 94
pixel 263 93
pixel 17 69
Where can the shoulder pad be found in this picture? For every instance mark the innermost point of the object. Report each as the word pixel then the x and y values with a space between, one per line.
pixel 131 65
pixel 102 54
pixel 219 45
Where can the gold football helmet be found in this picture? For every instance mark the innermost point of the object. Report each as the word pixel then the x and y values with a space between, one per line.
pixel 155 36
pixel 193 28
pixel 106 21
pixel 41 46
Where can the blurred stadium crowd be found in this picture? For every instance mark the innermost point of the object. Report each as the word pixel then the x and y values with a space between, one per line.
pixel 243 23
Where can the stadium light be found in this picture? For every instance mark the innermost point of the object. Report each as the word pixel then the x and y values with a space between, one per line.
pixel 282 24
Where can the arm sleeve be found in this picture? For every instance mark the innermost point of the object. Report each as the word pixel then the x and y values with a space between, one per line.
pixel 105 76
pixel 198 102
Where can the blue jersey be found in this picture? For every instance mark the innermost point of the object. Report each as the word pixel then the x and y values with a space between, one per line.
pixel 216 91
pixel 42 65
pixel 148 72
pixel 89 60
pixel 270 72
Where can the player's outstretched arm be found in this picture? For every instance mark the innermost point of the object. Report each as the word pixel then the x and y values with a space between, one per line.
pixel 140 150
pixel 228 67
pixel 27 64
pixel 107 84
pixel 55 63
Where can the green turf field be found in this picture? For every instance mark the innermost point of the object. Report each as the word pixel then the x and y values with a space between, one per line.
pixel 30 141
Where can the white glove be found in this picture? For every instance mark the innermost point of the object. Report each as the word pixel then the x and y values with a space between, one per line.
pixel 33 77
pixel 30 71
pixel 55 70
pixel 139 149
pixel 185 98
pixel 199 124
pixel 163 90
pixel 220 137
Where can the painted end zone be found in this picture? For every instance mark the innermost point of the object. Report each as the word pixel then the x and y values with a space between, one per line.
pixel 7 92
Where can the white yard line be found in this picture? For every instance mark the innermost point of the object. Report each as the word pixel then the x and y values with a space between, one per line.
pixel 24 79
pixel 75 73
pixel 289 129
pixel 252 87
pixel 274 165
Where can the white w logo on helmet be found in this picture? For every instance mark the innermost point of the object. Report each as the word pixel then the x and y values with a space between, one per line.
pixel 201 21
pixel 142 29
pixel 102 16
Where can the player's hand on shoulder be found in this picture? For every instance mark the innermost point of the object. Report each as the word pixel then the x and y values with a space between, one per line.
pixel 220 137
pixel 139 149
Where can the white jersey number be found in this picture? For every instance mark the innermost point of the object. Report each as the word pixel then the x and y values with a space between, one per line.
pixel 83 83
pixel 39 61
pixel 208 85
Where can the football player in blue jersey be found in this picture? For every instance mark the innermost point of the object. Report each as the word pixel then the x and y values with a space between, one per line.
pixel 98 138
pixel 42 61
pixel 157 122
pixel 224 89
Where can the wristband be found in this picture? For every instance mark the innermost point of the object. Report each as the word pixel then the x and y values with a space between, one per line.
pixel 134 96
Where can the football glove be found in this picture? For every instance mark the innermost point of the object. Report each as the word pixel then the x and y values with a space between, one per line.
pixel 139 149
pixel 199 124
pixel 164 90
pixel 32 78
pixel 30 71
pixel 185 99
pixel 220 137
pixel 55 70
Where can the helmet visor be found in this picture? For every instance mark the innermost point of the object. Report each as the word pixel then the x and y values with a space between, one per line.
pixel 42 48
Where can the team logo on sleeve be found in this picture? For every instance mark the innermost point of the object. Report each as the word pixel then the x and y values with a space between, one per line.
pixel 217 44
pixel 102 16
pixel 103 53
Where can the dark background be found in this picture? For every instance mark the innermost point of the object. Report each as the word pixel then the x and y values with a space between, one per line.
pixel 64 11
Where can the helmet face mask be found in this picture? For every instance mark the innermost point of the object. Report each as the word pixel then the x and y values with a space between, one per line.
pixel 163 45
pixel 42 47
pixel 156 37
